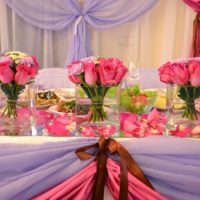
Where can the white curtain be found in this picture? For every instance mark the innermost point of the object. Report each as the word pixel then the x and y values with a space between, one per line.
pixel 162 34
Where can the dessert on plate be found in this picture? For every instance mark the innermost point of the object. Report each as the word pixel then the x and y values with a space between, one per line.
pixel 46 98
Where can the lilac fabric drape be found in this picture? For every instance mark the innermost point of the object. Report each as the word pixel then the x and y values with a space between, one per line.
pixel 171 164
pixel 195 5
pixel 100 14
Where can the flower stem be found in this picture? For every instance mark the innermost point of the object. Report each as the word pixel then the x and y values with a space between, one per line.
pixel 190 111
pixel 98 113
pixel 10 109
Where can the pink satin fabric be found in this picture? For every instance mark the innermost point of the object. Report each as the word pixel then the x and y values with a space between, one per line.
pixel 136 189
pixel 80 186
pixel 195 5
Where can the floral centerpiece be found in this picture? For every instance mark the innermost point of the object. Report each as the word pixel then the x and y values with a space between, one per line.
pixel 96 77
pixel 185 74
pixel 17 69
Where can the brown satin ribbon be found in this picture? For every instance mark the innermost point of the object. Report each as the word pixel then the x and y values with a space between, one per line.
pixel 195 41
pixel 126 163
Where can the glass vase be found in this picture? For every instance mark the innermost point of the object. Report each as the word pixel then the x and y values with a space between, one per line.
pixel 183 111
pixel 17 115
pixel 97 110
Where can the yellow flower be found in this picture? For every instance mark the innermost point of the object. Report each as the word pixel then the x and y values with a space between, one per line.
pixel 16 55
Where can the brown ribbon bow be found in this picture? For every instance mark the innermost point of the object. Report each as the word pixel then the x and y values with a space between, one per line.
pixel 106 146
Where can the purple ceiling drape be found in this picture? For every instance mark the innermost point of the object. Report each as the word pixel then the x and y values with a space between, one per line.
pixel 195 5
pixel 100 14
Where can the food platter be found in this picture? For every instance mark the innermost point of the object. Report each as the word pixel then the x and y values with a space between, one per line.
pixel 60 93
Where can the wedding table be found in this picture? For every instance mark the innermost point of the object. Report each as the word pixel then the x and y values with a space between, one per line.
pixel 31 165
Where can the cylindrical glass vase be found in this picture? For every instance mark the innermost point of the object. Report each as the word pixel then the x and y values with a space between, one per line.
pixel 182 114
pixel 17 115
pixel 97 110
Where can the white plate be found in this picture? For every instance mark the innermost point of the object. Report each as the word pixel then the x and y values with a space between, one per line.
pixel 53 109
pixel 43 106
pixel 65 93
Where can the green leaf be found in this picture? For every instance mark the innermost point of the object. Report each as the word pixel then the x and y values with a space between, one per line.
pixel 188 92
pixel 182 93
pixel 12 91
pixel 197 92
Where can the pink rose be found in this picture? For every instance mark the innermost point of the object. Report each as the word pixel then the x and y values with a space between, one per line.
pixel 115 61
pixel 120 73
pixel 75 79
pixel 35 62
pixel 5 60
pixel 22 76
pixel 179 73
pixel 27 60
pixel 88 60
pixel 165 73
pixel 33 70
pixel 110 72
pixel 106 73
pixel 194 71
pixel 31 65
pixel 75 68
pixel 6 74
pixel 90 74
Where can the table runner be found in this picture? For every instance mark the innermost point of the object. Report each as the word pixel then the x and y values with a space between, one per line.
pixel 171 164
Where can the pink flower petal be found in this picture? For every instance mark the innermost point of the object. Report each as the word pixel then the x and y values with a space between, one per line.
pixel 154 114
pixel 129 126
pixel 107 131
pixel 88 131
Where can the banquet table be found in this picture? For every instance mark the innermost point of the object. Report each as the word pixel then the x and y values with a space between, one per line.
pixel 31 165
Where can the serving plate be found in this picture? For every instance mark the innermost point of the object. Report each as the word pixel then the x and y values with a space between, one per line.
pixel 53 109
pixel 62 93
pixel 65 93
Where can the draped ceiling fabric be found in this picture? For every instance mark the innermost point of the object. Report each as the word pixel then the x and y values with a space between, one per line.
pixel 100 14
pixel 195 5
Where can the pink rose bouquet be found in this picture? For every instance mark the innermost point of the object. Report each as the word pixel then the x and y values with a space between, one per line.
pixel 96 76
pixel 186 74
pixel 16 70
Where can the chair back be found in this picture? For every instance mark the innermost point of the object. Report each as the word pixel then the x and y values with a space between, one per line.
pixel 53 78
